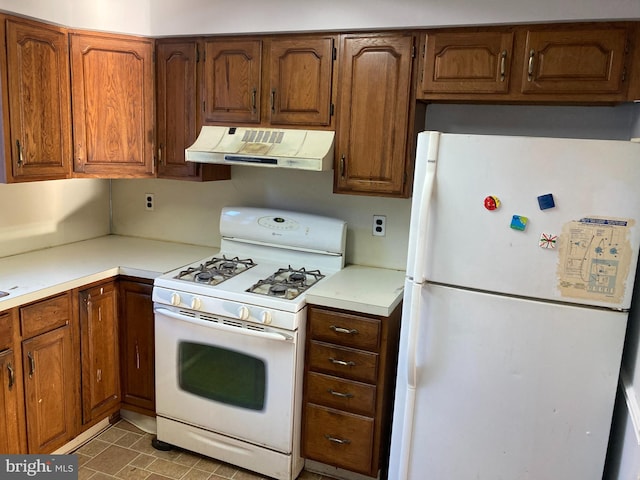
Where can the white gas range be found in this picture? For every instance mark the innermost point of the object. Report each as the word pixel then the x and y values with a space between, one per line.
pixel 229 336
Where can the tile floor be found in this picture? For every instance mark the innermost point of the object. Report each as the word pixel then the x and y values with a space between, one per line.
pixel 124 452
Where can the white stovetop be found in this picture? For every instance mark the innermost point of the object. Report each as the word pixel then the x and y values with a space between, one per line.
pixel 35 275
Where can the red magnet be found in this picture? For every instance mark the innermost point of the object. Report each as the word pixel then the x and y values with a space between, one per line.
pixel 491 202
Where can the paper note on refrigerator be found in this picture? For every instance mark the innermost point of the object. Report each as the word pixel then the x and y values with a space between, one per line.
pixel 594 255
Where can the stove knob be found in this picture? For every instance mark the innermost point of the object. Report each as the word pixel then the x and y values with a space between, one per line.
pixel 196 303
pixel 243 313
pixel 175 299
pixel 265 317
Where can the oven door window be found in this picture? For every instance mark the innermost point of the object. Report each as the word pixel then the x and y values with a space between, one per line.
pixel 223 375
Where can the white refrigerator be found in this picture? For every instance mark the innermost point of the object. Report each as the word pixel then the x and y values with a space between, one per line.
pixel 522 258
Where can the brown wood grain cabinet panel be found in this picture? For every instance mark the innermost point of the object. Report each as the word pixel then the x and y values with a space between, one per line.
pixel 45 315
pixel 39 147
pixel 177 113
pixel 300 80
pixel 48 365
pixel 336 437
pixel 137 346
pixel 373 114
pixel 467 62
pixel 232 79
pixel 575 61
pixel 10 402
pixel 113 98
pixel 348 390
pixel 99 343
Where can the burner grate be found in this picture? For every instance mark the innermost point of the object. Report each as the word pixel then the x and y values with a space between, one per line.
pixel 216 270
pixel 287 283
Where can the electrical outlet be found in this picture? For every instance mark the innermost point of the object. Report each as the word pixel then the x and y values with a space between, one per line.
pixel 149 201
pixel 379 225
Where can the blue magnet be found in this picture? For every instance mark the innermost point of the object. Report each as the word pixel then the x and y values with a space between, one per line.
pixel 546 201
pixel 519 222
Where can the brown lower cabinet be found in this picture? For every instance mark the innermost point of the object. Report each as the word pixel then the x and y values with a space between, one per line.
pixel 348 388
pixel 49 366
pixel 73 359
pixel 100 351
pixel 137 346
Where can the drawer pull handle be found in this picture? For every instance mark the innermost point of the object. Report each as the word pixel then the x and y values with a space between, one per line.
pixel 12 377
pixel 532 54
pixel 342 362
pixel 340 394
pixel 340 441
pixel 348 331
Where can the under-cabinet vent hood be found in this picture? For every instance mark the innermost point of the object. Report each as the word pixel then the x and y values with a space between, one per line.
pixel 264 147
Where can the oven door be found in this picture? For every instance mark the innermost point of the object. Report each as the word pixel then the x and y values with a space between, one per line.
pixel 218 375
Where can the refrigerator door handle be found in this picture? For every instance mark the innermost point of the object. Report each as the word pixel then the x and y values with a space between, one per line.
pixel 419 270
pixel 414 331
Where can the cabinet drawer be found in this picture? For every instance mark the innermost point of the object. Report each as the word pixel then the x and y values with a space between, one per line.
pixel 343 362
pixel 6 331
pixel 354 397
pixel 338 438
pixel 45 316
pixel 344 329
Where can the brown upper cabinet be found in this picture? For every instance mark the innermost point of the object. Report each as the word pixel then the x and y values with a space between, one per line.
pixel 567 63
pixel 467 62
pixel 374 115
pixel 36 99
pixel 113 98
pixel 177 114
pixel 270 81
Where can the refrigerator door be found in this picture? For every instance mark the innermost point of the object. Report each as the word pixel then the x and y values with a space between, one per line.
pixel 506 389
pixel 539 217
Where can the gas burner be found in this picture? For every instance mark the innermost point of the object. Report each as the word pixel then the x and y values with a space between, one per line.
pixel 216 270
pixel 287 283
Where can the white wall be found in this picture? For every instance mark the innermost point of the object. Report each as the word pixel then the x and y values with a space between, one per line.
pixel 169 17
pixel 189 212
pixel 42 214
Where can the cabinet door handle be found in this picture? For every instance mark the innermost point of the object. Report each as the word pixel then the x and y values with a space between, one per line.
pixel 273 100
pixel 137 357
pixel 253 100
pixel 342 159
pixel 342 362
pixel 340 441
pixel 12 377
pixel 160 147
pixel 340 394
pixel 20 154
pixel 32 364
pixel 503 62
pixel 532 54
pixel 348 331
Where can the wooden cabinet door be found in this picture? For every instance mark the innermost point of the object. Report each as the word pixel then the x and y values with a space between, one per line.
pixel 100 352
pixel 177 114
pixel 9 403
pixel 575 61
pixel 466 62
pixel 232 77
pixel 49 382
pixel 137 346
pixel 373 114
pixel 40 107
pixel 113 97
pixel 301 71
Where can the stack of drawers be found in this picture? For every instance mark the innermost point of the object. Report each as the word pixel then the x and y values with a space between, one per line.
pixel 350 367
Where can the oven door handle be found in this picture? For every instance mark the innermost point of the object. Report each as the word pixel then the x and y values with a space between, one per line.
pixel 281 337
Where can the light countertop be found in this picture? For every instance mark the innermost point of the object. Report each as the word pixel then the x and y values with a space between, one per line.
pixel 34 275
pixel 376 291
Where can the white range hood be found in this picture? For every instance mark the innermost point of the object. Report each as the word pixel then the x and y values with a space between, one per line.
pixel 264 147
